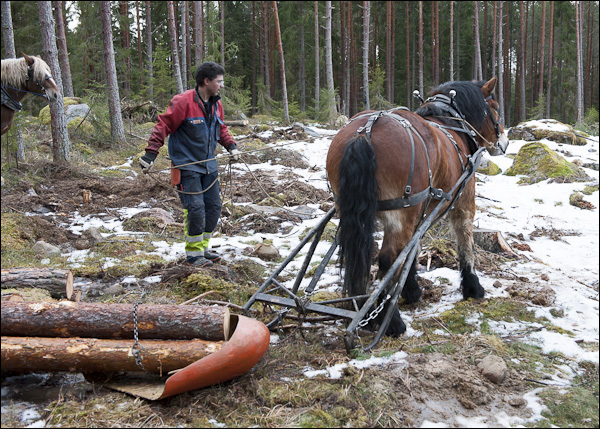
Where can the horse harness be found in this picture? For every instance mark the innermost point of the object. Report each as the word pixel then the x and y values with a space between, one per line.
pixel 8 101
pixel 429 193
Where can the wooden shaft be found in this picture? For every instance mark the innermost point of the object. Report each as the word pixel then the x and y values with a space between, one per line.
pixel 93 355
pixel 88 320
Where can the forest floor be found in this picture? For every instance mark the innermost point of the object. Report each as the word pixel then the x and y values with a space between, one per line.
pixel 427 378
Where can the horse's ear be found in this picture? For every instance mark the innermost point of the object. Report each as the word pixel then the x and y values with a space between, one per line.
pixel 28 59
pixel 489 86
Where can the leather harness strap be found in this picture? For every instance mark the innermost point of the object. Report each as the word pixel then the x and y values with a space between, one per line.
pixel 407 200
pixel 10 102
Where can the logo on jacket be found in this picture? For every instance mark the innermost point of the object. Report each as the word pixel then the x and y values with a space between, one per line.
pixel 197 121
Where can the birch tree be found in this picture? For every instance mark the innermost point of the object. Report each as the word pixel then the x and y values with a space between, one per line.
pixel 500 86
pixel 478 69
pixel 117 131
pixel 61 146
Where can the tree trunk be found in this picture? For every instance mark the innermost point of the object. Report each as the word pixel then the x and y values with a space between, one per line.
pixel 365 62
pixel 114 321
pixel 59 282
pixel 8 40
pixel 388 51
pixel 349 62
pixel 317 68
pixel 222 22
pixel 500 54
pixel 328 64
pixel 174 48
pixel 421 84
pixel 139 42
pixel 93 355
pixel 484 58
pixel 286 112
pixel 522 101
pixel 550 60
pixel 61 146
pixel 197 31
pixel 184 43
pixel 579 37
pixel 437 44
pixel 114 104
pixel 478 70
pixel 254 47
pixel 408 68
pixel 188 49
pixel 149 61
pixel 542 49
pixel 494 39
pixel 302 61
pixel 63 53
pixel 126 44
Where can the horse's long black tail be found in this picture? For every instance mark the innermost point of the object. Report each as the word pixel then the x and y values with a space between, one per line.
pixel 357 204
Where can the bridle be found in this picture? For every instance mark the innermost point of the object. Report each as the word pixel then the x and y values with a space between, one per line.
pixel 11 103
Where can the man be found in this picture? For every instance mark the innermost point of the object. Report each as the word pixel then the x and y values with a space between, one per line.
pixel 195 122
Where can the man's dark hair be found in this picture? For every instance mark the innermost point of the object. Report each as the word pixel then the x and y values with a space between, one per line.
pixel 207 70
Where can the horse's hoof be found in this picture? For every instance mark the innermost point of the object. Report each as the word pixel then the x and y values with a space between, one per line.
pixel 396 327
pixel 471 287
pixel 411 295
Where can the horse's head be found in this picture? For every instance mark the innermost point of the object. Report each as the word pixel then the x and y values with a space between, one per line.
pixel 494 136
pixel 39 78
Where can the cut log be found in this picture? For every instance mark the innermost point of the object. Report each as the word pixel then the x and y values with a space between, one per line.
pixel 492 241
pixel 110 321
pixel 237 123
pixel 57 281
pixel 93 355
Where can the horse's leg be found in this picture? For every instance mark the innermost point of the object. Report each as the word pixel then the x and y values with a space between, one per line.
pixel 461 219
pixel 396 237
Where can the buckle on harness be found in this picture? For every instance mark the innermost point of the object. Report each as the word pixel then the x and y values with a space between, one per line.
pixel 437 193
pixel 408 190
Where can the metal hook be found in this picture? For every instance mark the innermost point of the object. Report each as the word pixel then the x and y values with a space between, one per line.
pixel 417 94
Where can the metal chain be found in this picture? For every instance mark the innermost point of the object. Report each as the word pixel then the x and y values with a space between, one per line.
pixel 136 349
pixel 374 313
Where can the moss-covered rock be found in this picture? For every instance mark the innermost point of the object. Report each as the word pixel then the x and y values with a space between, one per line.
pixel 538 130
pixel 538 162
pixel 44 115
pixel 488 168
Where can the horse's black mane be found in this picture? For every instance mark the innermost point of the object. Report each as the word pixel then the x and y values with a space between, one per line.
pixel 469 100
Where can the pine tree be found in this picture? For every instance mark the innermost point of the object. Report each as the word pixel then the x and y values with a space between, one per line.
pixel 117 131
pixel 61 146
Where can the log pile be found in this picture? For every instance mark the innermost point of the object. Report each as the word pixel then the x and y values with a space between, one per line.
pixel 69 336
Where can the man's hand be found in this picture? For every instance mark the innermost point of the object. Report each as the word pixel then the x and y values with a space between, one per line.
pixel 235 155
pixel 147 161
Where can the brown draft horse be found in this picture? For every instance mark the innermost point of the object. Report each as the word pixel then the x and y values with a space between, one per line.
pixel 22 76
pixel 414 159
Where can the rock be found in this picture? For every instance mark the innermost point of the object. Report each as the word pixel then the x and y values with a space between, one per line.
pixel 545 297
pixel 93 235
pixel 77 111
pixel 517 402
pixel 82 244
pixel 266 252
pixel 45 250
pixel 116 289
pixel 545 277
pixel 340 121
pixel 488 168
pixel 538 162
pixel 497 284
pixel 538 130
pixel 162 216
pixel 308 130
pixel 493 368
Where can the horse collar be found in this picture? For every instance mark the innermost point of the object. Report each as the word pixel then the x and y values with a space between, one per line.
pixel 10 102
